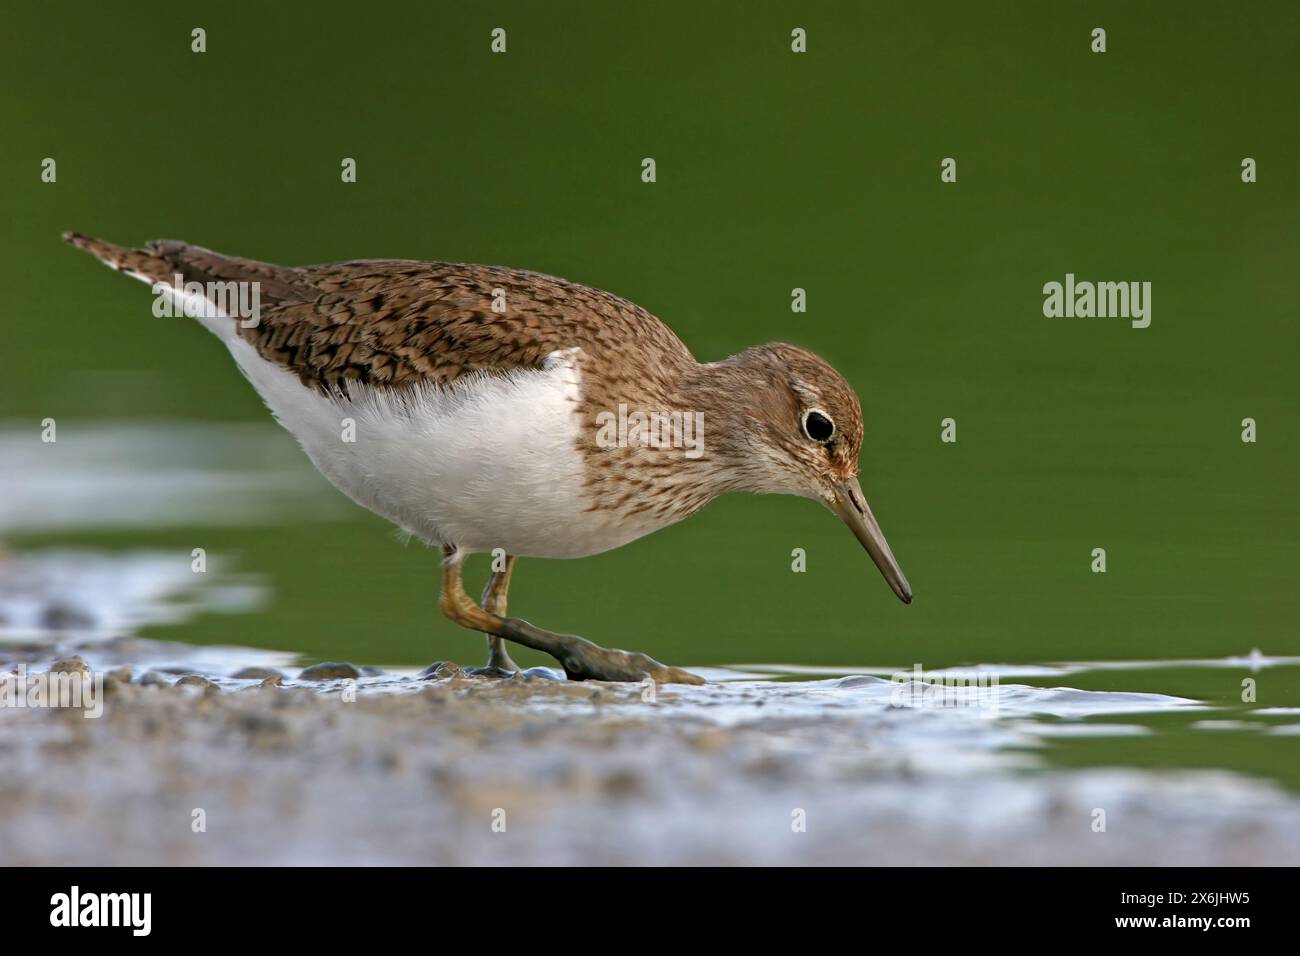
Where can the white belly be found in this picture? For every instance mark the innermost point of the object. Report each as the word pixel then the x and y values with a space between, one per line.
pixel 489 462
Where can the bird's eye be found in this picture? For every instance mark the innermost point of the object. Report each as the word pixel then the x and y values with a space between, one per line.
pixel 818 427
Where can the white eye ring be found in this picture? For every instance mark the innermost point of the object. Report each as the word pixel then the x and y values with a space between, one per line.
pixel 824 439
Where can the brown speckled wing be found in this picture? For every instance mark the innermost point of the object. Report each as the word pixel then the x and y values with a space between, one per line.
pixel 394 323
pixel 400 323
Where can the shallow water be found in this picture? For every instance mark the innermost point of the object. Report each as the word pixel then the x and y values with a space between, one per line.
pixel 396 768
pixel 1039 716
pixel 766 764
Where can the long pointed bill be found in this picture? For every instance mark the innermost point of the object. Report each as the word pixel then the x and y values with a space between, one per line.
pixel 851 506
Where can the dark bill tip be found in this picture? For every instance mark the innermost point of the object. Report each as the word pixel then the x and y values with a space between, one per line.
pixel 852 508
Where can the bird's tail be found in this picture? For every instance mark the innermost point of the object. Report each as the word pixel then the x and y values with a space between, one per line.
pixel 144 264
pixel 162 260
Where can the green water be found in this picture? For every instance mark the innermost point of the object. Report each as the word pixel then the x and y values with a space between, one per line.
pixel 775 171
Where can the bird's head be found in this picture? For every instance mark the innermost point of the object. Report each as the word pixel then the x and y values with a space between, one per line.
pixel 803 434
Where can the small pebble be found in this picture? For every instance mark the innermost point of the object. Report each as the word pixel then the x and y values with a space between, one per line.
pixel 441 670
pixel 330 670
pixel 154 679
pixel 273 681
pixel 256 673
pixel 70 665
pixel 544 673
pixel 195 680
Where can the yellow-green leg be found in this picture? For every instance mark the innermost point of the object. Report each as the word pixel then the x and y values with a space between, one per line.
pixel 580 658
pixel 494 602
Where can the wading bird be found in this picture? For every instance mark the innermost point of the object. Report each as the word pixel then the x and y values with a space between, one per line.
pixel 479 400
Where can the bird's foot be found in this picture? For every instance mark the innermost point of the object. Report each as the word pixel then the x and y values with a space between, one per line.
pixel 498 657
pixel 585 660
pixel 594 662
pixel 499 663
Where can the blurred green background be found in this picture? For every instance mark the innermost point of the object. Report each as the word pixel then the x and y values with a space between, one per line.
pixel 775 171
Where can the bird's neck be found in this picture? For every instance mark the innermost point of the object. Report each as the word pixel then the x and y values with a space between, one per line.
pixel 708 447
pixel 731 398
